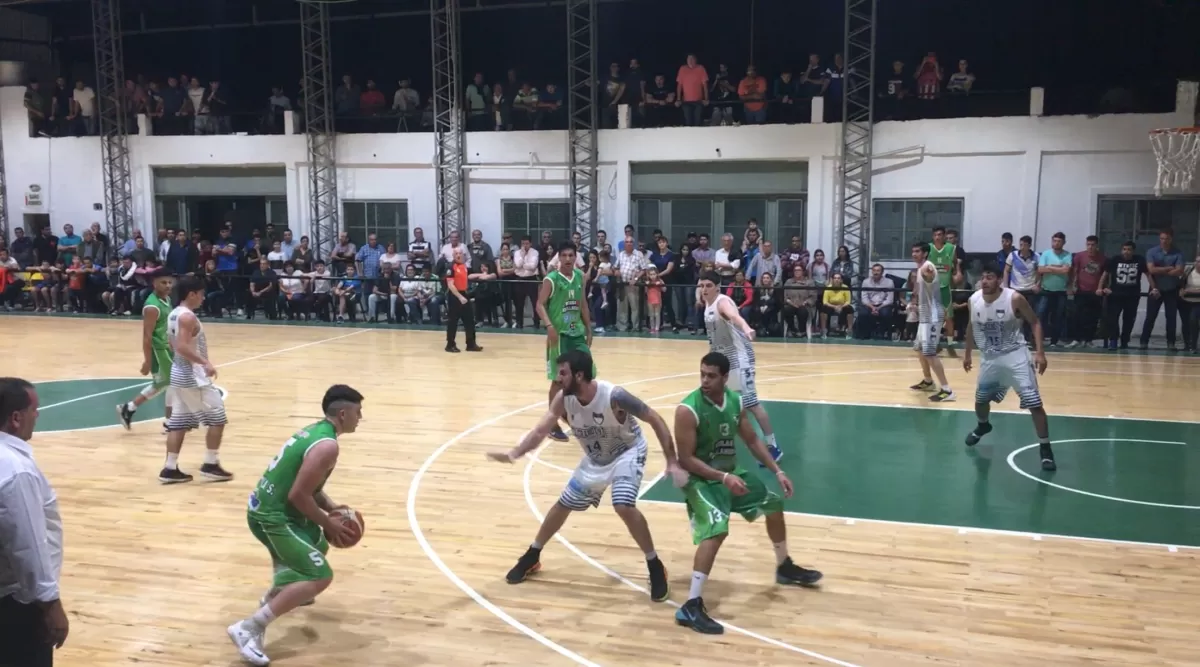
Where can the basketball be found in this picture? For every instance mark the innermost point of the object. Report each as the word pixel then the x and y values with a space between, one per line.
pixel 352 518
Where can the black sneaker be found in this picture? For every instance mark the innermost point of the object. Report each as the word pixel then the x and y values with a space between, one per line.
pixel 173 476
pixel 1048 463
pixel 126 416
pixel 981 430
pixel 660 588
pixel 790 574
pixel 557 434
pixel 452 348
pixel 474 348
pixel 693 615
pixel 526 565
pixel 923 385
pixel 215 472
pixel 943 396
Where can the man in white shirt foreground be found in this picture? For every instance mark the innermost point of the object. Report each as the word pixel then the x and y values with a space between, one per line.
pixel 32 620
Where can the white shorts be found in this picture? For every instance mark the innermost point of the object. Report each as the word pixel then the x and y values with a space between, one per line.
pixel 928 338
pixel 742 381
pixel 590 480
pixel 193 407
pixel 1010 370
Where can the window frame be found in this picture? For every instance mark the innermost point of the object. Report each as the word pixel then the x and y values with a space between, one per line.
pixel 906 236
pixel 535 232
pixel 768 224
pixel 371 222
pixel 1142 229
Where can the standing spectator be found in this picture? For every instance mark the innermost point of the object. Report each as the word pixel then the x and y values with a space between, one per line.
pixel 634 96
pixel 1054 266
pixel 728 259
pixel 630 265
pixel 1122 284
pixel 406 103
pixel 69 245
pixel 1189 301
pixel 812 82
pixel 10 285
pixel 23 248
pixel 451 247
pixel 420 251
pixel 32 620
pixel 525 263
pixel 765 261
pixel 459 304
pixel 961 81
pixel 846 267
pixel 45 246
pixel 1021 271
pixel 92 248
pixel 174 109
pixel 346 101
pixel 691 90
pixel 792 255
pixel 479 249
pixel 367 260
pixel 343 255
pixel 1165 264
pixel 371 102
pixel 752 90
pixel 684 279
pixel 722 97
pixel 391 258
pixel 832 87
pixel 819 269
pixel 1006 249
pixel 1087 267
pixel 276 258
pixel 478 97
pixel 37 106
pixel 85 100
pixel 785 93
pixel 929 77
pixel 610 96
pixel 664 261
pixel 287 245
pixel 302 256
pixel 875 314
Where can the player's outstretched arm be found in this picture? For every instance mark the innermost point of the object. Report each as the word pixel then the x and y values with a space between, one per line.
pixel 537 435
pixel 685 445
pixel 730 312
pixel 623 400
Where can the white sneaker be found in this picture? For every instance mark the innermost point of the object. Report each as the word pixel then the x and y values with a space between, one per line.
pixel 248 642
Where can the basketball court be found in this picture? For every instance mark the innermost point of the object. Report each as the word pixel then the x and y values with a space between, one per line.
pixel 932 554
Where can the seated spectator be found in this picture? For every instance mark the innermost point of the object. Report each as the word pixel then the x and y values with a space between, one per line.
pixel 835 303
pixel 799 301
pixel 549 114
pixel 431 297
pixel 321 286
pixel 960 306
pixel 742 293
pixel 214 290
pixel 347 293
pixel 875 311
pixel 264 286
pixel 768 302
pixel 409 292
pixel 47 291
pixel 293 294
pixel 384 289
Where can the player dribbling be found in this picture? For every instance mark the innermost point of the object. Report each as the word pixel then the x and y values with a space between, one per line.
pixel 604 418
pixel 996 315
pixel 289 513
pixel 705 425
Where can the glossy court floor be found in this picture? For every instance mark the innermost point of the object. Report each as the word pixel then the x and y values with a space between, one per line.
pixel 933 554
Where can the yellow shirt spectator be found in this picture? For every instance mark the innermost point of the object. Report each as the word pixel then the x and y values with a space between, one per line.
pixel 836 297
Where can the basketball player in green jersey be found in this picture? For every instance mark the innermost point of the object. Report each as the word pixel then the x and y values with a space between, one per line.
pixel 289 513
pixel 705 425
pixel 156 349
pixel 562 304
pixel 945 257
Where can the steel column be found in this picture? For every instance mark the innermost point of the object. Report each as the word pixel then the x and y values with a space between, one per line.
pixel 582 117
pixel 114 120
pixel 858 106
pixel 448 118
pixel 319 130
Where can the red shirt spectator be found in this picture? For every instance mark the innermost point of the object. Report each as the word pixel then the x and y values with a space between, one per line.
pixel 371 103
pixel 1088 265
pixel 692 82
pixel 742 293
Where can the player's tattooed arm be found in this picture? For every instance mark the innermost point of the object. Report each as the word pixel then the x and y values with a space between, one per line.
pixel 623 400
pixel 535 436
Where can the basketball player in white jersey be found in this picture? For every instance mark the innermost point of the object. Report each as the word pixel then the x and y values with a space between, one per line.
pixel 604 419
pixel 730 335
pixel 928 293
pixel 997 314
pixel 195 402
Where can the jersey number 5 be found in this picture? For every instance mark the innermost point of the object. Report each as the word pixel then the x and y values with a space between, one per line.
pixel 275 461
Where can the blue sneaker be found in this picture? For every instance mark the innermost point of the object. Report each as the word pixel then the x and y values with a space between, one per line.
pixel 693 615
pixel 557 434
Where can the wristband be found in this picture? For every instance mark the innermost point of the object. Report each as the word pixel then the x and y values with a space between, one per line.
pixel 778 473
pixel 723 477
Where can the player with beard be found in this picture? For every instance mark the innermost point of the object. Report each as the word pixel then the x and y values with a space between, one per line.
pixel 997 314
pixel 604 419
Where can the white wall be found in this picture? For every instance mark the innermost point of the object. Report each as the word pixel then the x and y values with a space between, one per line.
pixel 1024 175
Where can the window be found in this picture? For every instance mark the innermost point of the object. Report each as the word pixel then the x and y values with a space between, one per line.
pixel 898 223
pixel 277 213
pixel 1121 219
pixel 791 222
pixel 387 220
pixel 648 219
pixel 170 213
pixel 534 217
pixel 690 216
pixel 738 212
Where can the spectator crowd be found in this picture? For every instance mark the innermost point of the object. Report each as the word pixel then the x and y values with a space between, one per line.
pixel 1080 296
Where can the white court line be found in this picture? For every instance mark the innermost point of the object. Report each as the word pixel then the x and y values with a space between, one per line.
pixel 415 525
pixel 1012 464
pixel 224 365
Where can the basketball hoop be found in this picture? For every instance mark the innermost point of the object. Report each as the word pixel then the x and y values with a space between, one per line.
pixel 1177 150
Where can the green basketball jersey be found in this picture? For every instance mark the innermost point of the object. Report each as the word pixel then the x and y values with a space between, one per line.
pixel 563 304
pixel 944 261
pixel 269 501
pixel 716 427
pixel 158 339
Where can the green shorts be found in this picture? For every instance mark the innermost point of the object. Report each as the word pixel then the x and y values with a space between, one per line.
pixel 160 368
pixel 297 552
pixel 565 344
pixel 946 299
pixel 709 504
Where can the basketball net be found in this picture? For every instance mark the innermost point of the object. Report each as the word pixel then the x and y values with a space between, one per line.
pixel 1177 150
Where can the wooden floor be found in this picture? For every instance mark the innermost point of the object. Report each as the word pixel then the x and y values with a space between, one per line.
pixel 153 574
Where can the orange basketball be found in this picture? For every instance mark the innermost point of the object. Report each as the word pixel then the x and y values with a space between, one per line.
pixel 351 518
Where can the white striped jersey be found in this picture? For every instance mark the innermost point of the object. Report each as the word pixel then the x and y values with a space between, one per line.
pixel 726 337
pixel 995 325
pixel 596 426
pixel 929 297
pixel 183 372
